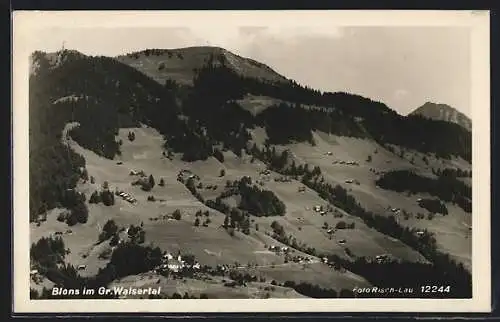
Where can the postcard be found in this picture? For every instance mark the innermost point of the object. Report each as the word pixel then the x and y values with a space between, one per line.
pixel 286 161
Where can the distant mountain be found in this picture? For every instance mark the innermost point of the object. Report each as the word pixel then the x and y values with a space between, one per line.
pixel 180 64
pixel 443 112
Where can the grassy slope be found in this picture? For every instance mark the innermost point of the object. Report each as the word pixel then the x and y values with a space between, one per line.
pixel 211 245
pixel 452 233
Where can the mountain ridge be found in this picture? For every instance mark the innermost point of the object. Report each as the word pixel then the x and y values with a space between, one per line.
pixel 179 64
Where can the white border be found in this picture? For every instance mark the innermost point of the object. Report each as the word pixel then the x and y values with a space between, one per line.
pixel 24 23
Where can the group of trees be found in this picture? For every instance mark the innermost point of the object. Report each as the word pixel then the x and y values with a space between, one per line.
pixel 136 234
pixel 446 187
pixel 253 201
pixel 47 252
pixel 199 217
pixel 434 206
pixel 452 172
pixel 109 230
pixel 147 184
pixel 77 212
pixel 259 202
pixel 104 196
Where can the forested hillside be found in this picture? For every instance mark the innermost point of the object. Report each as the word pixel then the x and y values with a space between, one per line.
pixel 103 95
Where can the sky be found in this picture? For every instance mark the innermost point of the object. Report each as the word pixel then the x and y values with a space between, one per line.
pixel 403 67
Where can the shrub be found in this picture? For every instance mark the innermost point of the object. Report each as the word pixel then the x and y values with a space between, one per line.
pixel 131 136
pixel 176 214
pixel 222 173
pixel 62 216
pixel 95 197
pixel 107 198
pixel 218 155
pixel 162 182
pixel 110 228
pixel 114 240
pixel 341 225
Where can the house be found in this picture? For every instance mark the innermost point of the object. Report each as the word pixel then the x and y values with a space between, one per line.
pixel 329 153
pixel 420 233
pixel 419 199
pixel 82 267
pixel 325 260
pixel 174 266
pixel 197 266
pixel 168 256
pixel 342 241
pixel 329 231
pixel 33 272
pixel 133 173
pixel 323 213
pixel 317 208
pixel 302 189
pixel 349 181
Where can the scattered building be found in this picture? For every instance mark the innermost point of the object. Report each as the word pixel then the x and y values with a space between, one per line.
pixel 82 267
pixel 174 266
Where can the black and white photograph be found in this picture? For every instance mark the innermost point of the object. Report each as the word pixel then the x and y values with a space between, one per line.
pixel 286 160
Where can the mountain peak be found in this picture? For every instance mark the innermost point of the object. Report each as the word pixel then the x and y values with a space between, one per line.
pixel 443 112
pixel 179 64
